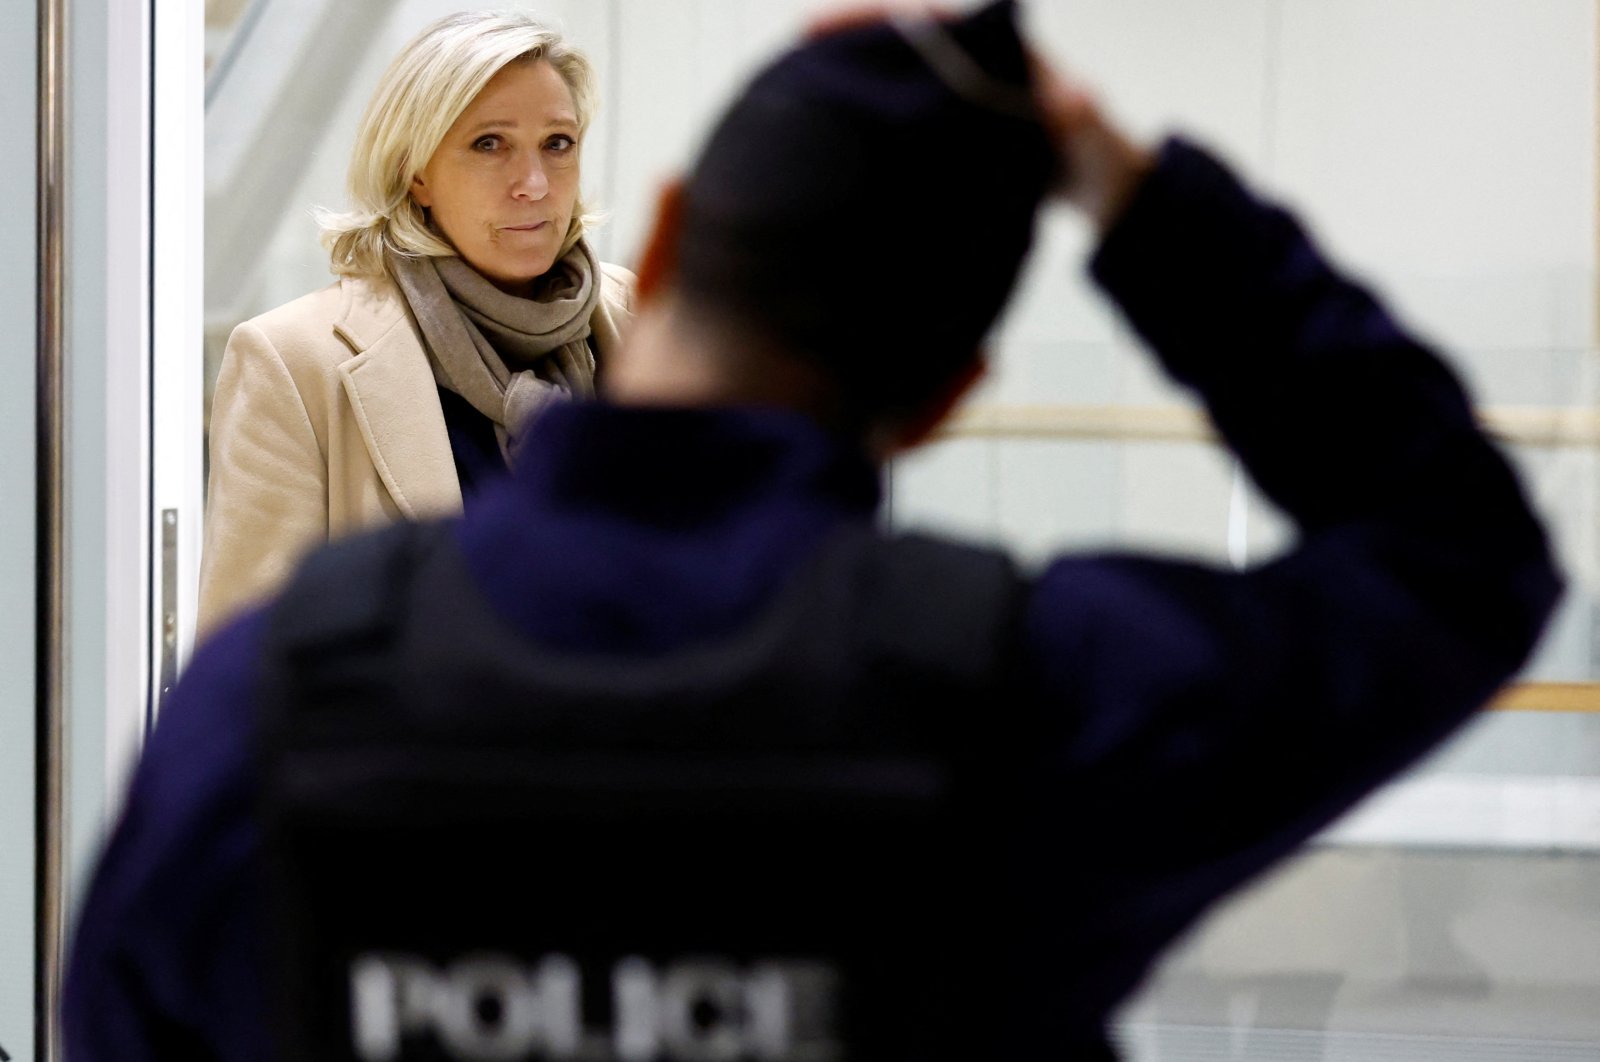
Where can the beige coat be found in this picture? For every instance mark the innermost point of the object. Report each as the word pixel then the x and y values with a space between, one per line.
pixel 326 419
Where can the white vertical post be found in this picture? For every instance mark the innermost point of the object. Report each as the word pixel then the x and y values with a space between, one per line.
pixel 177 329
pixel 127 369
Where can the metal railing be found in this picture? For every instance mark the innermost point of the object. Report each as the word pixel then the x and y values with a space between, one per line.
pixel 1532 426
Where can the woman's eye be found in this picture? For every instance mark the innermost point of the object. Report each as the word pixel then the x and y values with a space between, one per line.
pixel 561 142
pixel 486 143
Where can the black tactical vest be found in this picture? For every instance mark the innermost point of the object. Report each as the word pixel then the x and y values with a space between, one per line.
pixel 774 847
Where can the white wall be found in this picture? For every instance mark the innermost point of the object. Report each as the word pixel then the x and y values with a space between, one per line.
pixel 1447 153
pixel 1444 151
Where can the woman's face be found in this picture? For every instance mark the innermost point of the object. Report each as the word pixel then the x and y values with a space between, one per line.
pixel 502 183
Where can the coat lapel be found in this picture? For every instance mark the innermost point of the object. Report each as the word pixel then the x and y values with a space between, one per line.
pixel 394 400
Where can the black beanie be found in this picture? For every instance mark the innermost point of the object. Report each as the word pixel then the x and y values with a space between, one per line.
pixel 869 199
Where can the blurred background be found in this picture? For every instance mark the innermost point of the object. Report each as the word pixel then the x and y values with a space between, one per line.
pixel 1446 152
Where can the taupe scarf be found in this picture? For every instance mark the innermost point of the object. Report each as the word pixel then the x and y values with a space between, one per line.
pixel 507 355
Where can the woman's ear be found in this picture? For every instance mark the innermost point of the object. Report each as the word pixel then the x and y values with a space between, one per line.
pixel 419 192
pixel 658 264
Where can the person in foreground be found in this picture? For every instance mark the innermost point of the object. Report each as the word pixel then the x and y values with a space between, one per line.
pixel 1131 737
pixel 468 297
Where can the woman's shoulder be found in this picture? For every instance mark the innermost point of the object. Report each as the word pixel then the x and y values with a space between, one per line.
pixel 610 319
pixel 335 321
pixel 617 286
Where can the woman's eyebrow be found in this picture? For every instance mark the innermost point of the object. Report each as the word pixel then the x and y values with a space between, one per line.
pixel 559 119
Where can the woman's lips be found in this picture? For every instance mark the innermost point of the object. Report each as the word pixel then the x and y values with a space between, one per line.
pixel 532 226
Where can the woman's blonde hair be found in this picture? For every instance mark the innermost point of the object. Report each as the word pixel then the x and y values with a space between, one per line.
pixel 433 79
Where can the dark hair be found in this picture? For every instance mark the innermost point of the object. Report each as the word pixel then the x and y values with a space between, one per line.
pixel 860 210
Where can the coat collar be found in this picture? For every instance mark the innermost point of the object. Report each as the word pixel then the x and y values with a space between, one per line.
pixel 392 395
pixel 385 381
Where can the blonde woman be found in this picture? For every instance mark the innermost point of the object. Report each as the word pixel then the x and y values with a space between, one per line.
pixel 467 298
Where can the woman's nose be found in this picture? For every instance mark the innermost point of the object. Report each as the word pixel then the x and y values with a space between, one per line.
pixel 531 182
